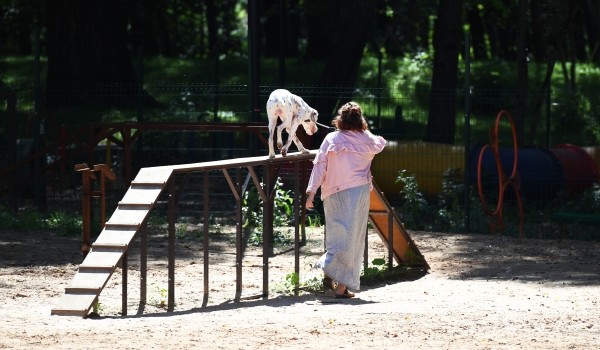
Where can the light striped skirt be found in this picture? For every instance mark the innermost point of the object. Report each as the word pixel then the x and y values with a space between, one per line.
pixel 346 218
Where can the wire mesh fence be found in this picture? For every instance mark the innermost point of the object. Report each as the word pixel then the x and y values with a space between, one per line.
pixel 551 174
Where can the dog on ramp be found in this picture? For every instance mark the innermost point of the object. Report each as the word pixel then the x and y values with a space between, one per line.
pixel 293 112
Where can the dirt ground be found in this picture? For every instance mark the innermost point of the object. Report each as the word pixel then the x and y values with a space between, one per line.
pixel 482 292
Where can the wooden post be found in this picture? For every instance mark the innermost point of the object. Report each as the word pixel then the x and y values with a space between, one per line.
pixel 87 176
pixel 86 198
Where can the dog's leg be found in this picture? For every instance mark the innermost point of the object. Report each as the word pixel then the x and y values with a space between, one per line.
pixel 292 135
pixel 279 137
pixel 272 126
pixel 299 144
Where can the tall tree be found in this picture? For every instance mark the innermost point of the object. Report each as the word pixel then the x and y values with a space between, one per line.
pixel 441 122
pixel 522 71
pixel 556 20
pixel 399 36
pixel 87 50
pixel 477 31
pixel 322 18
pixel 537 35
pixel 591 13
pixel 149 23
pixel 16 30
pixel 346 51
pixel 221 22
pixel 281 27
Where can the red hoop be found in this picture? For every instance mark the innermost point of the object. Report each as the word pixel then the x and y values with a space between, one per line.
pixel 503 180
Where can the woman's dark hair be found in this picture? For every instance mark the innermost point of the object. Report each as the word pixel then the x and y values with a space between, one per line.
pixel 350 117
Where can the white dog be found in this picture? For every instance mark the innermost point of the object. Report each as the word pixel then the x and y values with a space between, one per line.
pixel 293 111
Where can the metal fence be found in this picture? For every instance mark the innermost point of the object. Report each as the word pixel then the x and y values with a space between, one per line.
pixel 551 174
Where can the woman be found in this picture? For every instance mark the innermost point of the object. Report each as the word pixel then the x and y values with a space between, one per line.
pixel 342 169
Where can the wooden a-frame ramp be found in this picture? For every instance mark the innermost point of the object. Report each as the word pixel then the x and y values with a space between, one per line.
pixel 132 211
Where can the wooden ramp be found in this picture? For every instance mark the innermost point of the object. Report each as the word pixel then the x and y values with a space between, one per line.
pixel 119 231
pixel 130 216
pixel 391 230
pixel 132 212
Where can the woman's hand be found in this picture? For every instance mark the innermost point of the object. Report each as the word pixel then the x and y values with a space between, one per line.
pixel 309 200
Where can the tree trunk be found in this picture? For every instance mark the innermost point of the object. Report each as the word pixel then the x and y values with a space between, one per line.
pixel 477 33
pixel 522 87
pixel 346 52
pixel 441 123
pixel 322 18
pixel 87 53
pixel 537 36
pixel 591 12
pixel 275 18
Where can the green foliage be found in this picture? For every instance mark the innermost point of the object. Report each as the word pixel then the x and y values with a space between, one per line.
pixel 446 214
pixel 65 224
pixel 450 211
pixel 377 268
pixel 414 211
pixel 158 297
pixel 379 271
pixel 7 219
pixel 284 205
pixel 97 308
pixel 587 202
pixel 314 220
pixel 575 116
pixel 283 209
pixel 181 230
pixel 31 219
pixel 156 219
pixel 292 280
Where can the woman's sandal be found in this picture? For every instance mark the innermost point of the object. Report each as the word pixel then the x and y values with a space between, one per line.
pixel 344 295
pixel 328 283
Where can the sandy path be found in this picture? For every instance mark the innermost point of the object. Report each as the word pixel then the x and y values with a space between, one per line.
pixel 483 292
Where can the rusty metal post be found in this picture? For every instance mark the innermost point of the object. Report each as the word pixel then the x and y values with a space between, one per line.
pixel 297 209
pixel 366 250
pixel 205 237
pixel 124 270
pixel 303 185
pixel 143 263
pixel 390 239
pixel 267 228
pixel 105 174
pixel 238 233
pixel 127 141
pixel 86 199
pixel 171 258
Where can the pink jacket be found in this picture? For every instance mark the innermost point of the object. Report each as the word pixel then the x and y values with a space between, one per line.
pixel 344 161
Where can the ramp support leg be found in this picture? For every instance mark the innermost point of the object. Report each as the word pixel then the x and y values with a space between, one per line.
pixel 297 209
pixel 171 229
pixel 205 237
pixel 390 240
pixel 238 233
pixel 143 263
pixel 124 269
